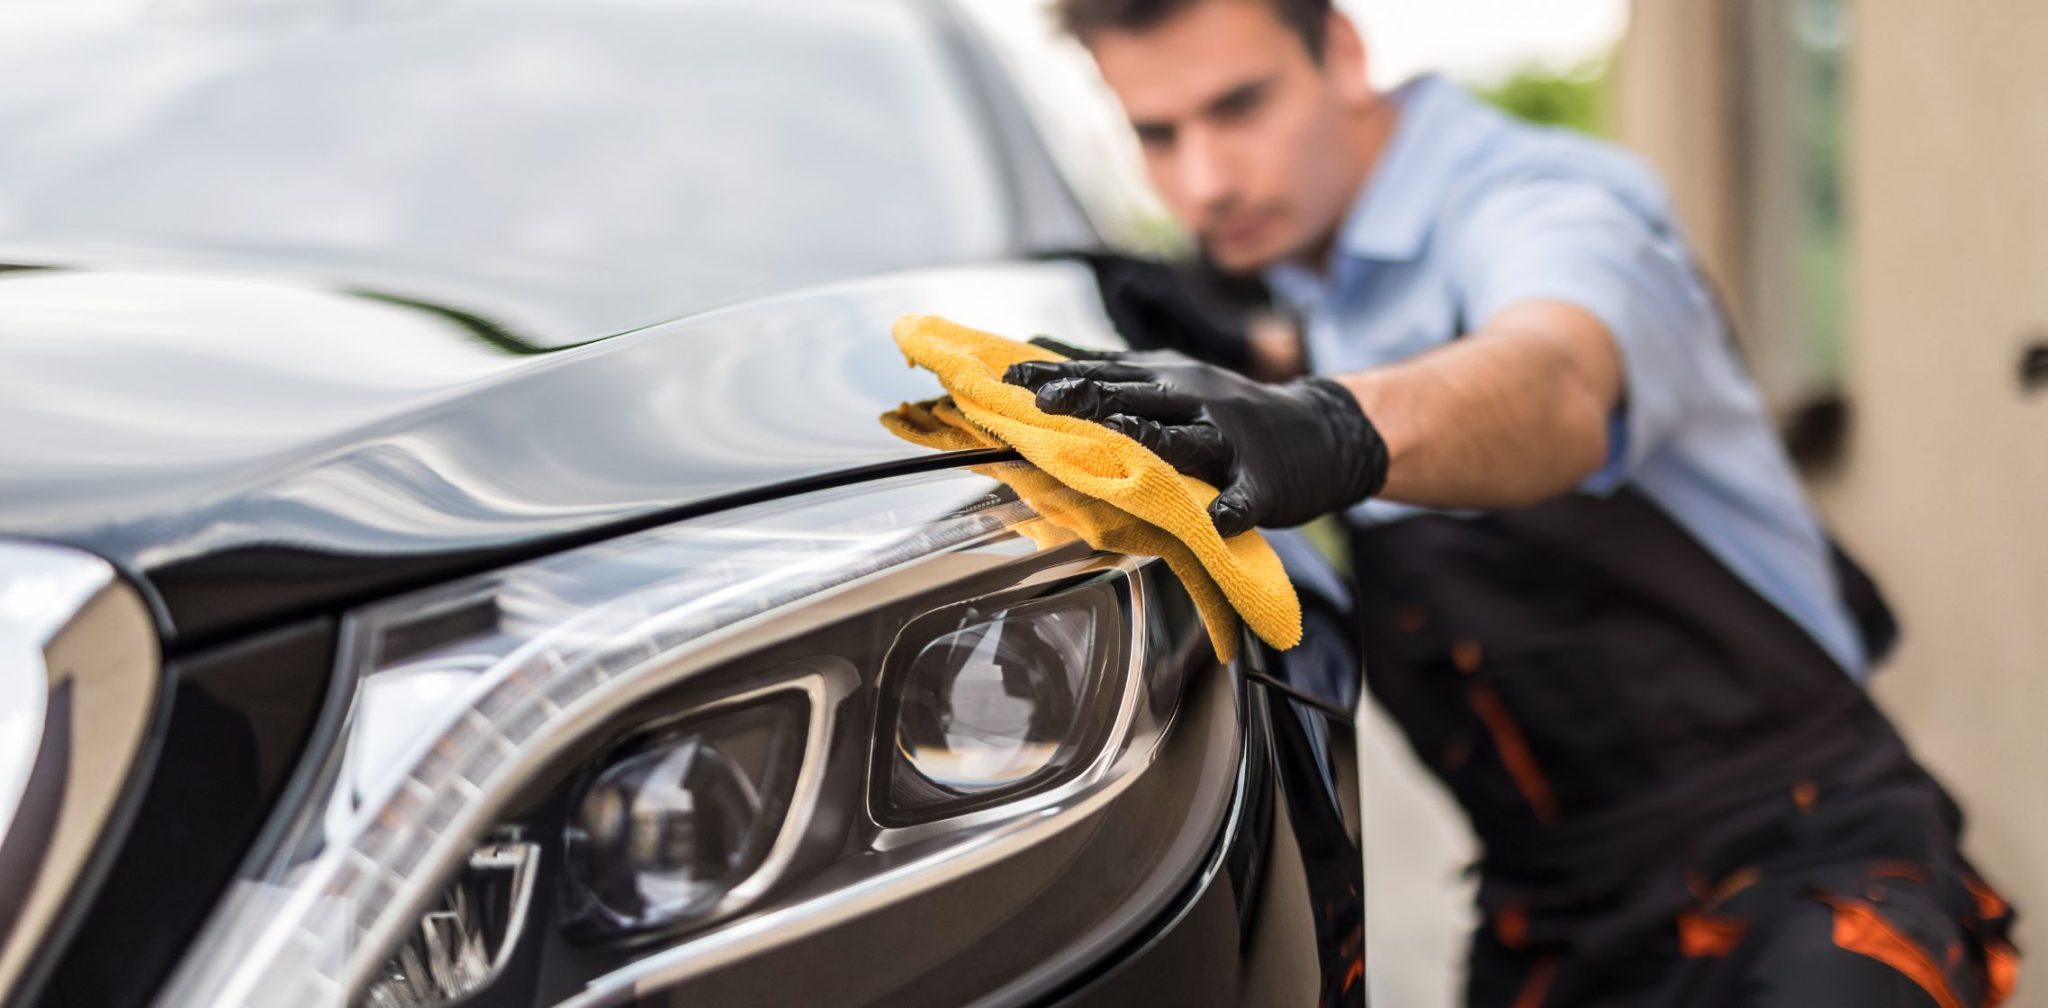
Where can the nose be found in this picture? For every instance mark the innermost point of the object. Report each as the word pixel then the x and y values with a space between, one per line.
pixel 1204 175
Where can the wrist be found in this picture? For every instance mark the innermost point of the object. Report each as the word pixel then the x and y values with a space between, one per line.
pixel 1356 447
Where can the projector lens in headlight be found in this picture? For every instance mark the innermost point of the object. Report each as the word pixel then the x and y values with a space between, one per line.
pixel 995 702
pixel 995 695
pixel 676 821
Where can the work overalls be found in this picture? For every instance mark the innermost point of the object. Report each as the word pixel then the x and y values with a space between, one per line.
pixel 1682 799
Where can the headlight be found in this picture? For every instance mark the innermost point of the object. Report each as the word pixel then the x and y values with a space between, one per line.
pixel 988 701
pixel 714 728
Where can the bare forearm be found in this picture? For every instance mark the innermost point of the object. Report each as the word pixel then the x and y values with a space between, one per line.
pixel 1511 415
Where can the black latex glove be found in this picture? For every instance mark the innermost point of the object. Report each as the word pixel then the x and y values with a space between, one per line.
pixel 1155 307
pixel 1280 454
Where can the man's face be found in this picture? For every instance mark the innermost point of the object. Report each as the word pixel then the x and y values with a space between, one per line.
pixel 1243 130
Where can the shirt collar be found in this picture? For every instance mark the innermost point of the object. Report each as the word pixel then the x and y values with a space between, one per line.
pixel 1394 209
pixel 1396 206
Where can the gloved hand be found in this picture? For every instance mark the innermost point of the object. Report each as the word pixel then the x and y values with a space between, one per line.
pixel 1155 307
pixel 1279 454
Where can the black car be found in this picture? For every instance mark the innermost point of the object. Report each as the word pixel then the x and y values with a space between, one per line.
pixel 448 554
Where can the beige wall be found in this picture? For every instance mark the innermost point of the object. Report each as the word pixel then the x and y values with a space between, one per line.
pixel 1945 486
pixel 1943 489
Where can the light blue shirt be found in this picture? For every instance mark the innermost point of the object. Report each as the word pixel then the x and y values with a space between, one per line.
pixel 1468 212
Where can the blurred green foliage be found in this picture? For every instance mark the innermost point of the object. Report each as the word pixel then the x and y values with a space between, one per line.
pixel 1820 31
pixel 1578 97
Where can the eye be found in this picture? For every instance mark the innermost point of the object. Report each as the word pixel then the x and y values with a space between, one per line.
pixel 1239 104
pixel 1154 136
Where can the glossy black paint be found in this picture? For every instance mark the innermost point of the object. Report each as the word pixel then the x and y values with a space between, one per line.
pixel 239 719
pixel 248 474
pixel 1283 923
pixel 1315 757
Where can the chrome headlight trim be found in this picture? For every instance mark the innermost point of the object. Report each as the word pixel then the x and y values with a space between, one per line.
pixel 78 645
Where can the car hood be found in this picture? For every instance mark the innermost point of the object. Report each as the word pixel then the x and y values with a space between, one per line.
pixel 253 448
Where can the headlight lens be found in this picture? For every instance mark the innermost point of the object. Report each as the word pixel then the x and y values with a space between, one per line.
pixel 674 823
pixel 684 720
pixel 1001 702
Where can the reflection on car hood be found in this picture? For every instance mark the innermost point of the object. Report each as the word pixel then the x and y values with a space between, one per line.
pixel 592 165
pixel 253 448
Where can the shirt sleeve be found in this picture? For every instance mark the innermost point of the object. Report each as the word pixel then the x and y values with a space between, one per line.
pixel 1577 242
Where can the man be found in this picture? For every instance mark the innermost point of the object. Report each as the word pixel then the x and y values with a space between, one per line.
pixel 1594 597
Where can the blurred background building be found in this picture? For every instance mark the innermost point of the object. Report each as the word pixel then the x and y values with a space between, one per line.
pixel 1865 179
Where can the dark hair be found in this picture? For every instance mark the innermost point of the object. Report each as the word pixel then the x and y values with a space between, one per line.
pixel 1083 18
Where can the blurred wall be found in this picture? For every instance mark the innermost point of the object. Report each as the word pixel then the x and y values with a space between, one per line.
pixel 1942 483
pixel 1945 484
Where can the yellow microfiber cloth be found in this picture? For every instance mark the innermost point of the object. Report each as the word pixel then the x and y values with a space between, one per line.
pixel 1132 501
pixel 1064 514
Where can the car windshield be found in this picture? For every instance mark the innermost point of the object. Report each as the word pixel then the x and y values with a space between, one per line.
pixel 567 169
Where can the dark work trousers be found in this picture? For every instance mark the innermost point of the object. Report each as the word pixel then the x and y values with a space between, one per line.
pixel 1682 799
pixel 1850 898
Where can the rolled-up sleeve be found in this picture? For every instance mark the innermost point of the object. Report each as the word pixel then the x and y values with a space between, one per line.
pixel 1577 242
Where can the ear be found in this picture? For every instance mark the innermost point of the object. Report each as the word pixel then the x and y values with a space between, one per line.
pixel 1346 61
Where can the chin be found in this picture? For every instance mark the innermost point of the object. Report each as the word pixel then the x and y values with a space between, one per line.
pixel 1243 260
